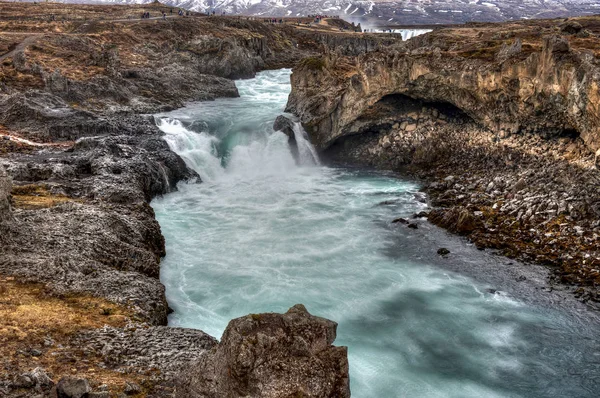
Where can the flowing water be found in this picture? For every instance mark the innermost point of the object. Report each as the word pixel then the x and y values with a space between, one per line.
pixel 262 233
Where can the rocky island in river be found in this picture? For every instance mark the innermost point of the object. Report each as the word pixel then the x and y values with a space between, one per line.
pixel 499 120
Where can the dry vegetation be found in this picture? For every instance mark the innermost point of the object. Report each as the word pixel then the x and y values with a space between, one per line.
pixel 36 330
pixel 483 41
pixel 32 197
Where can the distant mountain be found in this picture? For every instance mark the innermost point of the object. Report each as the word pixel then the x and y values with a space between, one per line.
pixel 393 12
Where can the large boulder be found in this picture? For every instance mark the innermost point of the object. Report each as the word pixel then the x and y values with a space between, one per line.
pixel 456 219
pixel 272 355
pixel 72 387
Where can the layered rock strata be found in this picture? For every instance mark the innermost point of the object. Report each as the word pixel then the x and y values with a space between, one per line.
pixel 520 81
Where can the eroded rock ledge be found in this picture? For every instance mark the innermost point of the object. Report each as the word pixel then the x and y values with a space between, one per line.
pixel 78 167
pixel 499 121
pixel 509 79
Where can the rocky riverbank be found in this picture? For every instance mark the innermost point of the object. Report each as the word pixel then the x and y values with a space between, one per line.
pixel 500 121
pixel 84 310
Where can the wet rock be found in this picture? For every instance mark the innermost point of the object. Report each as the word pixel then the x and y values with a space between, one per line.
pixel 421 214
pixel 413 226
pixel 443 252
pixel 401 221
pixel 286 126
pixel 72 387
pixel 271 355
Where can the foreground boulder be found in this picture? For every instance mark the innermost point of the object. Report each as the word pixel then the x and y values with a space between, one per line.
pixel 272 355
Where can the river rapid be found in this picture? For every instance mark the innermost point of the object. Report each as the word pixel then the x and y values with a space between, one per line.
pixel 263 232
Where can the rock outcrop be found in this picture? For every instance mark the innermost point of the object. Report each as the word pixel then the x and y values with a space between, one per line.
pixel 539 82
pixel 5 189
pixel 286 126
pixel 271 356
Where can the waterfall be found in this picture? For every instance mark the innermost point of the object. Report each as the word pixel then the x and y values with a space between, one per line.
pixel 240 154
pixel 198 150
pixel 267 230
pixel 306 151
pixel 408 34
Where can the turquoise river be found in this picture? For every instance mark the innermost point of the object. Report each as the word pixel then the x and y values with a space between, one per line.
pixel 263 232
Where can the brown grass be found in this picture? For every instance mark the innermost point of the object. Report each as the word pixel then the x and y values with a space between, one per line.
pixel 29 316
pixel 31 197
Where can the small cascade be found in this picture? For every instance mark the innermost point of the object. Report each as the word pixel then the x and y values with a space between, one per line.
pixel 307 154
pixel 244 153
pixel 408 34
pixel 198 150
pixel 165 176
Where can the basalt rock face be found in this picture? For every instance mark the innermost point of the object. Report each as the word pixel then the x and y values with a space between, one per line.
pixel 271 355
pixel 82 221
pixel 532 84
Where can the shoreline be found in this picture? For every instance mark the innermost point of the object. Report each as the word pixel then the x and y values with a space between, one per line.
pixel 519 264
pixel 476 215
pixel 76 217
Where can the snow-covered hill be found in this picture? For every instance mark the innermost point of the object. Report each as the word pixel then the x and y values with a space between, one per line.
pixel 393 12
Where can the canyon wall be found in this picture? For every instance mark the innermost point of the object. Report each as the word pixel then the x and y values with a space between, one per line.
pixel 507 80
pixel 78 168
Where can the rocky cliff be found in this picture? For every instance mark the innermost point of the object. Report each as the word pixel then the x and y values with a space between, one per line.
pixel 500 122
pixel 508 78
pixel 83 309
